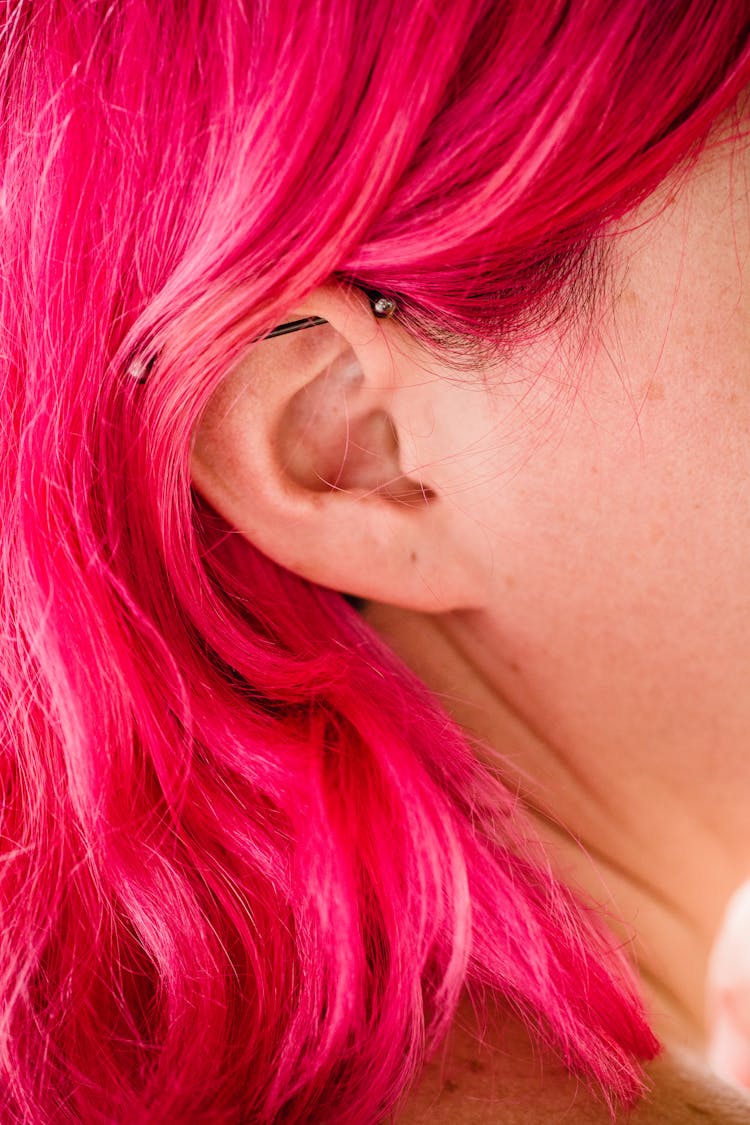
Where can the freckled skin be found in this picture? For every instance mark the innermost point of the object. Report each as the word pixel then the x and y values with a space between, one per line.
pixel 506 1081
pixel 612 667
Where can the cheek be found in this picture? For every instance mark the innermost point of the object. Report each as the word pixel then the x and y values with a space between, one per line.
pixel 600 504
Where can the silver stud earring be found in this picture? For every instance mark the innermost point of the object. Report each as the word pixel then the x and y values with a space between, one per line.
pixel 383 306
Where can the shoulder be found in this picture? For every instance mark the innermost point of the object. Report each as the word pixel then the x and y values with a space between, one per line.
pixel 508 1080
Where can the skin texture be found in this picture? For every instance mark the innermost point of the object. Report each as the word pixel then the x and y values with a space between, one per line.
pixel 559 545
pixel 610 660
pixel 500 1079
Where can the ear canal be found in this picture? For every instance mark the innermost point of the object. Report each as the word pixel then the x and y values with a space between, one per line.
pixel 336 436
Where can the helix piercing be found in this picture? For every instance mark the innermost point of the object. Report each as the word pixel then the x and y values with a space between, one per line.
pixel 382 307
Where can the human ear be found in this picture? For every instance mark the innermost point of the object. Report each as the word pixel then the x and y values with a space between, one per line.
pixel 300 450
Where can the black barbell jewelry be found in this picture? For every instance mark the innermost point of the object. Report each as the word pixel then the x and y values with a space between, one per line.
pixel 382 307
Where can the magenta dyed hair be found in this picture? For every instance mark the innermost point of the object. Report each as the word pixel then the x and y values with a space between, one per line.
pixel 247 864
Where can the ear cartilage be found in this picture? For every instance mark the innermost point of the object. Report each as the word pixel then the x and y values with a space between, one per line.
pixel 383 307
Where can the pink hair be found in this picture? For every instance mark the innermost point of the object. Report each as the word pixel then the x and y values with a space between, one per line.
pixel 247 864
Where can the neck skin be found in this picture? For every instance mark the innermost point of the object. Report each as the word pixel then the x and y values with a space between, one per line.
pixel 657 859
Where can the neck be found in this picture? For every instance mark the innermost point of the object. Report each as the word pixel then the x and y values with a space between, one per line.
pixel 656 857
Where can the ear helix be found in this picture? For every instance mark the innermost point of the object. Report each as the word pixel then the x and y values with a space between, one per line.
pixel 140 366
